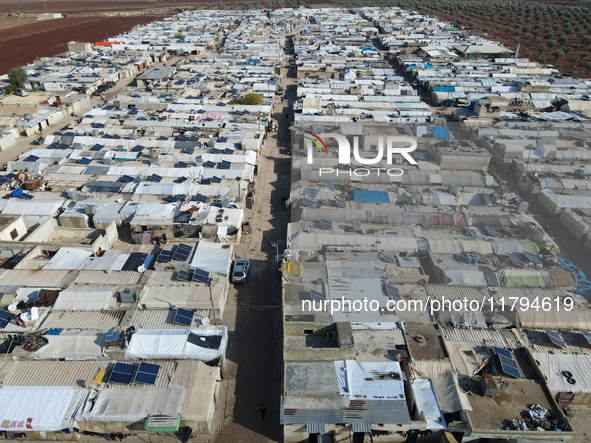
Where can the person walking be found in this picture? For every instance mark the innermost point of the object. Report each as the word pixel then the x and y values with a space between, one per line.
pixel 263 410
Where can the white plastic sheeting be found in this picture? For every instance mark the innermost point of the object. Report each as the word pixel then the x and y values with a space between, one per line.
pixel 35 408
pixel 173 343
pixel 427 403
pixel 26 294
pixel 552 366
pixel 133 405
pixel 503 246
pixel 213 257
pixel 370 380
pixel 85 298
pixel 68 258
pixel 72 345
pixel 154 214
pixel 463 275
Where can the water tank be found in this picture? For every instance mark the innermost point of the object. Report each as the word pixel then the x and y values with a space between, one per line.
pixel 90 209
pixel 225 202
pixel 108 160
pixel 153 153
pixel 140 178
pixel 120 148
pixel 128 296
pixel 77 146
pixel 95 132
pixel 453 189
pixel 154 161
pixel 132 135
pixel 72 192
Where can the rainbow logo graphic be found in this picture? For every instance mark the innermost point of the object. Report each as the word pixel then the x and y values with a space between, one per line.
pixel 317 141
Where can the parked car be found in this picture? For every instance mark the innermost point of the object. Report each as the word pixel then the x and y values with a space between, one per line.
pixel 22 92
pixel 240 272
pixel 279 91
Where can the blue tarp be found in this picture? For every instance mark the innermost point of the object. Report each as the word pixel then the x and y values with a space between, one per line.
pixel 444 88
pixel 441 132
pixel 371 196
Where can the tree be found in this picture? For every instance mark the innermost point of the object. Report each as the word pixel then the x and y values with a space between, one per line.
pixel 541 60
pixel 563 39
pixel 179 36
pixel 18 76
pixel 251 98
pixel 542 47
pixel 551 43
pixel 559 53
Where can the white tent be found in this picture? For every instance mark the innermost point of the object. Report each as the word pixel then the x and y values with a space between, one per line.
pixel 427 403
pixel 85 298
pixel 72 345
pixel 205 343
pixel 133 405
pixel 68 258
pixel 213 257
pixel 35 408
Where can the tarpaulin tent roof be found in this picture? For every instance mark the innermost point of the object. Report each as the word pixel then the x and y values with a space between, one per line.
pixel 553 365
pixel 68 258
pixel 132 405
pixel 427 403
pixel 72 345
pixel 85 298
pixel 213 257
pixel 464 275
pixel 555 320
pixel 503 246
pixel 356 380
pixel 35 408
pixel 178 343
pixel 522 278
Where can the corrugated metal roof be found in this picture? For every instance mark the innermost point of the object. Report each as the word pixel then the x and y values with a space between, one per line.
pixel 112 278
pixel 166 278
pixel 162 318
pixel 503 338
pixel 75 373
pixel 100 320
pixel 34 278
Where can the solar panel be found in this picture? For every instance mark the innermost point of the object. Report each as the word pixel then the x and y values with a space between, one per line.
pixel 96 147
pixel 392 291
pixel 182 252
pixel 209 164
pixel 182 165
pixel 325 224
pixel 125 179
pixel 316 295
pixel 228 151
pixel 216 179
pixel 189 151
pixel 155 178
pixel 492 231
pixel 308 203
pixel 311 192
pixel 388 258
pixel 10 176
pixel 587 335
pixel 183 317
pixel 201 276
pixel 146 373
pixel 501 351
pixel 555 338
pixel 137 148
pixel 26 196
pixel 325 202
pixel 31 158
pixel 122 373
pixel 200 198
pixel 5 318
pixel 85 161
pixel 172 199
pixel 516 262
pixel 206 181
pixel 3 180
pixel 164 256
pixel 481 258
pixel 329 185
pixel 340 203
pixel 184 276
pixel 225 165
pixel 532 258
pixel 507 369
pixel 180 180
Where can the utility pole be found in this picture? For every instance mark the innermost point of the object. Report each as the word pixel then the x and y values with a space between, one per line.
pixel 209 282
pixel 274 243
